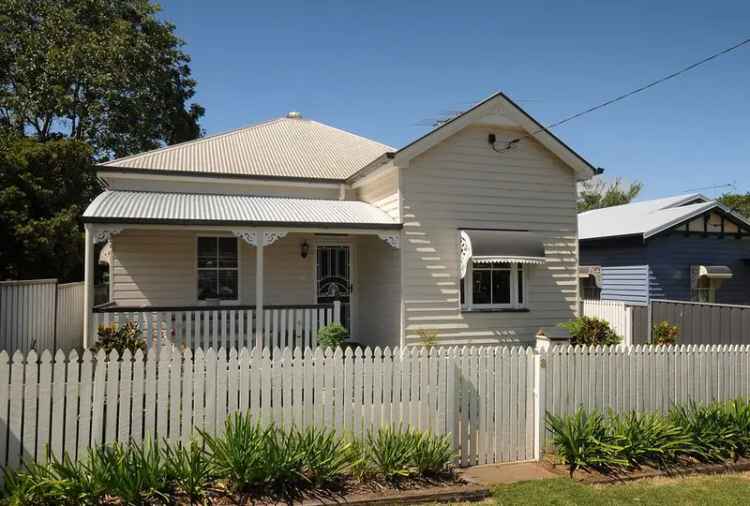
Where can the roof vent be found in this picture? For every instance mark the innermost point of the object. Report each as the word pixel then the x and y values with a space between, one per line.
pixel 294 115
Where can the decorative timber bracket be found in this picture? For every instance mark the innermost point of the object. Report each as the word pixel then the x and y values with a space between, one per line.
pixel 104 233
pixel 393 240
pixel 251 236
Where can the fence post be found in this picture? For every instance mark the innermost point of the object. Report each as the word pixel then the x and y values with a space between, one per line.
pixel 337 311
pixel 540 365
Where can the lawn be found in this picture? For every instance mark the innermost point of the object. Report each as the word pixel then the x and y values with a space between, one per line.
pixel 702 490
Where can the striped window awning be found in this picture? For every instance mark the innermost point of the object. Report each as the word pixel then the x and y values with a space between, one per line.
pixel 489 246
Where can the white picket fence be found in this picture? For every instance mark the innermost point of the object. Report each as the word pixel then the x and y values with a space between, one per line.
pixel 617 313
pixel 643 378
pixel 283 326
pixel 491 400
pixel 483 397
pixel 40 314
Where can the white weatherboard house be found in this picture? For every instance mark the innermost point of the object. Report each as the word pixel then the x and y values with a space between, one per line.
pixel 253 235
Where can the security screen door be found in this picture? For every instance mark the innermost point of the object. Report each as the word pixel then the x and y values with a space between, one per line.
pixel 334 281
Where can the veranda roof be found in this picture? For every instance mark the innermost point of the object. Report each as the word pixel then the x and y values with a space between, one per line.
pixel 211 209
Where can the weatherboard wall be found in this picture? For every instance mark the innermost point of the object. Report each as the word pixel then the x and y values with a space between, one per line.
pixel 463 183
pixel 669 258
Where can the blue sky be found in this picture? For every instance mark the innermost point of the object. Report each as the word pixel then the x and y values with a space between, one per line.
pixel 380 69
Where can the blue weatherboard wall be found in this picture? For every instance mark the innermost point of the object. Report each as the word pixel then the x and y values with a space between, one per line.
pixel 628 283
pixel 669 258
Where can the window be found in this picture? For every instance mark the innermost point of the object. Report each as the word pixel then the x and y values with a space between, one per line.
pixel 217 268
pixel 494 285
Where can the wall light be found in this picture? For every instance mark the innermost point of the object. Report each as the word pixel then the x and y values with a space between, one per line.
pixel 304 249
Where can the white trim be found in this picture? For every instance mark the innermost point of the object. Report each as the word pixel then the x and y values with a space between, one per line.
pixel 509 259
pixel 228 302
pixel 281 226
pixel 373 176
pixel 514 303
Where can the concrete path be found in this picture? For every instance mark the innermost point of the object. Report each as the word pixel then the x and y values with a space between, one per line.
pixel 498 474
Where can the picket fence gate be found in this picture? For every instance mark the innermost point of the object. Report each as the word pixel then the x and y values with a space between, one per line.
pixel 483 397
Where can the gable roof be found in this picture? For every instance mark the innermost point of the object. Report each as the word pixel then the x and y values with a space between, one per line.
pixel 646 218
pixel 283 147
pixel 500 110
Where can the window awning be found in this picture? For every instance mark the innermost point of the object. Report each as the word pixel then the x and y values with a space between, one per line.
pixel 486 246
pixel 715 271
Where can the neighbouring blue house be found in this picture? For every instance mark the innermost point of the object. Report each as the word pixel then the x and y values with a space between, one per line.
pixel 683 248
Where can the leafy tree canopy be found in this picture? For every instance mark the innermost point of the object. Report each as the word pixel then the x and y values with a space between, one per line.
pixel 44 187
pixel 597 194
pixel 106 72
pixel 737 202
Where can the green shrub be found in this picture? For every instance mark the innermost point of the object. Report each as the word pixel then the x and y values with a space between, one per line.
pixel 188 470
pixel 238 455
pixel 136 474
pixel 433 455
pixel 120 338
pixel 591 332
pixel 664 333
pixel 390 453
pixel 325 457
pixel 710 429
pixel 738 414
pixel 647 438
pixel 427 337
pixel 332 335
pixel 583 441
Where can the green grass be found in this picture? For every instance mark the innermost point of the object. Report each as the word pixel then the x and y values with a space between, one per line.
pixel 714 490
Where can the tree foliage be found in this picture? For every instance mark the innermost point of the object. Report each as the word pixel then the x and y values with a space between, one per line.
pixel 738 202
pixel 44 187
pixel 106 72
pixel 597 194
pixel 80 80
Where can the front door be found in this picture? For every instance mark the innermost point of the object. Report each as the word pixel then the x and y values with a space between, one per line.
pixel 334 278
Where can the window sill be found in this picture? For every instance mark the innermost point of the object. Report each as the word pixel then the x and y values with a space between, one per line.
pixel 495 310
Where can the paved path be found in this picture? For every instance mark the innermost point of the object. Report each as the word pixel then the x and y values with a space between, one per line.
pixel 498 474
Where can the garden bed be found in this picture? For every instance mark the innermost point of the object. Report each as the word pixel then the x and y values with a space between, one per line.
pixel 693 439
pixel 252 463
pixel 594 477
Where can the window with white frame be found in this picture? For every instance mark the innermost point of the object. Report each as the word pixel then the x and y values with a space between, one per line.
pixel 500 285
pixel 218 268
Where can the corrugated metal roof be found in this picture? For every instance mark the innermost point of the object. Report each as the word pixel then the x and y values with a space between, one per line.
pixel 157 207
pixel 284 147
pixel 641 218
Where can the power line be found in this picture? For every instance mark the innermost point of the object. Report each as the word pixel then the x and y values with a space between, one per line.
pixel 716 187
pixel 629 94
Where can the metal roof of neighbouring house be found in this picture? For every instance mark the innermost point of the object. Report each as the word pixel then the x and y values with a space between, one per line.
pixel 291 147
pixel 213 209
pixel 645 218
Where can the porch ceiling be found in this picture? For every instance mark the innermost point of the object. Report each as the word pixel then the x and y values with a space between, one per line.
pixel 211 209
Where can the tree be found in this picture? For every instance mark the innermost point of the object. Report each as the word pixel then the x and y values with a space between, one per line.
pixel 44 187
pixel 106 72
pixel 80 81
pixel 737 202
pixel 597 194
